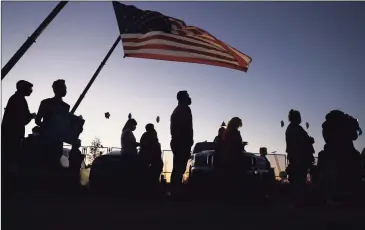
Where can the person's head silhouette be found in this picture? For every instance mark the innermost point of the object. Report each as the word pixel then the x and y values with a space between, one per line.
pixel 150 127
pixel 340 126
pixel 25 88
pixel 77 144
pixel 183 98
pixel 131 124
pixel 294 117
pixel 234 123
pixel 59 88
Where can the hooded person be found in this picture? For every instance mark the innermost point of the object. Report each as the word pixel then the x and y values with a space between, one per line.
pixel 16 117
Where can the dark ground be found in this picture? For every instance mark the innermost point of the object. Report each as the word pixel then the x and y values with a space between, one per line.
pixel 88 214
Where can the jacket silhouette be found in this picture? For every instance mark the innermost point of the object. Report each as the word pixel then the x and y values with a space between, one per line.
pixel 181 128
pixel 16 117
pixel 299 146
pixel 48 109
pixel 150 154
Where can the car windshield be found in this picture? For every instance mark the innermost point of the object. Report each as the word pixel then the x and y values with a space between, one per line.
pixel 200 160
pixel 203 146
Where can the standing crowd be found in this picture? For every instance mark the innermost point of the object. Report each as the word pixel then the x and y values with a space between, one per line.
pixel 338 173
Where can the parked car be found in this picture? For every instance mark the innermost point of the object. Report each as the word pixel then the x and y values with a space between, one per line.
pixel 201 165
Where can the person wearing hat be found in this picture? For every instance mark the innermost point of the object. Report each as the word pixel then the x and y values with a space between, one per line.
pixel 16 117
pixel 181 128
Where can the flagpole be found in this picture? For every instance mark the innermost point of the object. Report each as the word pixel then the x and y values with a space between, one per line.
pixel 32 39
pixel 95 75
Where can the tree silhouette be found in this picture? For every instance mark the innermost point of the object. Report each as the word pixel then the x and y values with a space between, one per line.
pixel 94 150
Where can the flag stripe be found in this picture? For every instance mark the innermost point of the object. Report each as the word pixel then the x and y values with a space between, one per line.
pixel 169 37
pixel 174 48
pixel 185 59
pixel 177 54
pixel 171 45
pixel 206 37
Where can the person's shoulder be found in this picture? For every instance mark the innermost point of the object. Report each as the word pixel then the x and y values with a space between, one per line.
pixel 289 128
pixel 144 135
pixel 16 97
pixel 46 101
pixel 65 104
pixel 183 109
pixel 126 132
pixel 176 110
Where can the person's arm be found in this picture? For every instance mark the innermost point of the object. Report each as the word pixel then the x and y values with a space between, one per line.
pixel 40 114
pixel 186 124
pixel 240 141
pixel 27 115
pixel 143 142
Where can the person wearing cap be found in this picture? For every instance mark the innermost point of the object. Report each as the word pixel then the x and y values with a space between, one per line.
pixel 181 128
pixel 16 117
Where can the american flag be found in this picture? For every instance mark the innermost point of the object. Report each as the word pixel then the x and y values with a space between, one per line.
pixel 152 35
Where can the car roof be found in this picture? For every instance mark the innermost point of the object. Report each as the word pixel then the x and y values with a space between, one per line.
pixel 201 146
pixel 113 153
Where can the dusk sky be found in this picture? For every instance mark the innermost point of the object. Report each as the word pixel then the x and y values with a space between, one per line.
pixel 308 56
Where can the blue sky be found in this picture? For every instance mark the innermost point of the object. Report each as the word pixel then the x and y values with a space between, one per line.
pixel 306 55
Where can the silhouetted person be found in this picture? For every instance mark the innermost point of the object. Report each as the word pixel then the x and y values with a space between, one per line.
pixel 263 154
pixel 340 161
pixel 299 146
pixel 130 170
pixel 233 163
pixel 128 141
pixel 150 154
pixel 233 144
pixel 363 165
pixel 219 137
pixel 32 160
pixel 16 117
pixel 30 149
pixel 75 161
pixel 48 109
pixel 269 178
pixel 181 129
pixel 218 154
